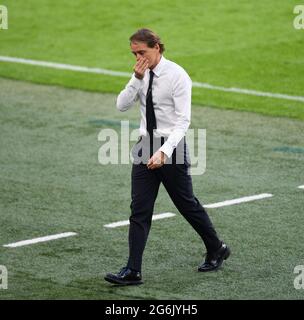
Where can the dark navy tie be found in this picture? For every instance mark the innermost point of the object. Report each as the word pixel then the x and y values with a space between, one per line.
pixel 150 115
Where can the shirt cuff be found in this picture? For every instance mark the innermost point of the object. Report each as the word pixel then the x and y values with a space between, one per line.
pixel 135 82
pixel 167 149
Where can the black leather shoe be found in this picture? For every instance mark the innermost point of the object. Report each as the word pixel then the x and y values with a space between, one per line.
pixel 125 276
pixel 214 260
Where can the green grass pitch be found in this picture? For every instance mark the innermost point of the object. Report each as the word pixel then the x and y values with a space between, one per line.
pixel 243 44
pixel 51 181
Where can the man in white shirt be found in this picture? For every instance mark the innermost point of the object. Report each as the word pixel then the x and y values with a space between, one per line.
pixel 164 91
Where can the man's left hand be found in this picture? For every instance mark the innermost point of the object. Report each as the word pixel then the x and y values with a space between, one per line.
pixel 157 160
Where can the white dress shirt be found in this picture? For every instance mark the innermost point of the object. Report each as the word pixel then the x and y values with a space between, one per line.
pixel 171 93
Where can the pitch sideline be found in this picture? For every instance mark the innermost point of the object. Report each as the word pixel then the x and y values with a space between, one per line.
pixel 70 67
pixel 40 239
pixel 212 205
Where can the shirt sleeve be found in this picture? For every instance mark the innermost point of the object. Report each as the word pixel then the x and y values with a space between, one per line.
pixel 129 95
pixel 181 93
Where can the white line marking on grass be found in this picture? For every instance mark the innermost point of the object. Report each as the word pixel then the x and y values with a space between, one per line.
pixel 70 67
pixel 239 200
pixel 301 187
pixel 212 205
pixel 41 239
pixel 126 222
pixel 55 65
pixel 249 91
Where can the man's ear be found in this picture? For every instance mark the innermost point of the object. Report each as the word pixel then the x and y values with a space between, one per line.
pixel 157 47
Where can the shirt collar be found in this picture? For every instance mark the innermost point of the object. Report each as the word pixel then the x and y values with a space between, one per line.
pixel 157 70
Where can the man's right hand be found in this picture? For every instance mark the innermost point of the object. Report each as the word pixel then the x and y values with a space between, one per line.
pixel 140 67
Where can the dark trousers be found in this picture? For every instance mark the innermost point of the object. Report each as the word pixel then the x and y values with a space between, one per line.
pixel 178 183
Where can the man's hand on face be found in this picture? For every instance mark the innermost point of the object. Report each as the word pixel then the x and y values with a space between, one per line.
pixel 157 160
pixel 140 67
